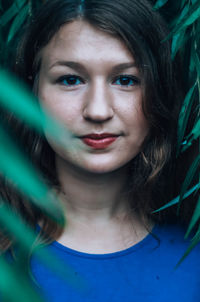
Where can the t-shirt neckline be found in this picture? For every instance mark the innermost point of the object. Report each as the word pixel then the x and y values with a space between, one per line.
pixel 148 239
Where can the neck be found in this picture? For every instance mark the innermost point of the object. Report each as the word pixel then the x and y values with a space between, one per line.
pixel 92 195
pixel 99 218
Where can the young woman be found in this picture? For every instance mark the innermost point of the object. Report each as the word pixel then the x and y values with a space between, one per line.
pixel 102 69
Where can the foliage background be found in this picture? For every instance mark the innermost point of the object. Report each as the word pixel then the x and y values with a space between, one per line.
pixel 183 17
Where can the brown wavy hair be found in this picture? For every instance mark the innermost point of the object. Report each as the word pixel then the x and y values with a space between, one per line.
pixel 152 171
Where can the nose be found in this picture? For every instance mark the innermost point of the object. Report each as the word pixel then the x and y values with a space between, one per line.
pixel 98 104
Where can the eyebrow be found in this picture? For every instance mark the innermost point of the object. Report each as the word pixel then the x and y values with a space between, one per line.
pixel 80 68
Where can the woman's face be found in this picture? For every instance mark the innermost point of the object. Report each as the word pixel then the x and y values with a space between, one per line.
pixel 89 81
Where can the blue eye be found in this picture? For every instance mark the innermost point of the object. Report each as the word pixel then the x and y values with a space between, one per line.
pixel 70 80
pixel 126 81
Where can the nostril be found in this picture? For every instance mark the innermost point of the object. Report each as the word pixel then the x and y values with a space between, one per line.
pixel 96 113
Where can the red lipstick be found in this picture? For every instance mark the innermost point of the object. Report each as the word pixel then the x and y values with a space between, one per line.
pixel 99 141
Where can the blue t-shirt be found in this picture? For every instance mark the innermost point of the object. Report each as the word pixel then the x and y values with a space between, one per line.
pixel 144 272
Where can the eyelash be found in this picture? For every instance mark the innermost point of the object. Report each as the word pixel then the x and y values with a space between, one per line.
pixel 135 81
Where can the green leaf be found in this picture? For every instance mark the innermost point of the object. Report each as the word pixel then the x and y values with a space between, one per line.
pixel 195 218
pixel 20 3
pixel 28 181
pixel 19 101
pixel 160 3
pixel 178 42
pixel 196 59
pixel 191 17
pixel 176 199
pixel 25 238
pixel 183 3
pixel 15 227
pixel 194 242
pixel 17 23
pixel 181 15
pixel 194 134
pixel 184 116
pixel 19 288
pixel 181 37
pixel 194 1
pixel 16 98
pixel 9 14
pixel 185 19
pixel 189 176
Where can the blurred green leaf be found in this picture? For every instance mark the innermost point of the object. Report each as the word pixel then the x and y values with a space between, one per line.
pixel 185 19
pixel 18 21
pixel 19 288
pixel 26 238
pixel 183 3
pixel 192 15
pixel 9 14
pixel 178 41
pixel 194 1
pixel 160 3
pixel 20 3
pixel 17 229
pixel 19 101
pixel 182 14
pixel 28 181
pixel 25 106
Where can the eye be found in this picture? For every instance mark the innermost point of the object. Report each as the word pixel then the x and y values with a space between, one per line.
pixel 70 80
pixel 126 80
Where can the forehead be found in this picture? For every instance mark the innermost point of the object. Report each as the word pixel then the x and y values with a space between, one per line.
pixel 81 41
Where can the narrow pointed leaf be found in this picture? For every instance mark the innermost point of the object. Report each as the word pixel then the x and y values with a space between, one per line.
pixel 17 23
pixel 20 3
pixel 192 17
pixel 194 134
pixel 180 17
pixel 28 181
pixel 196 60
pixel 176 199
pixel 25 237
pixel 195 218
pixel 15 97
pixel 160 3
pixel 8 15
pixel 178 42
pixel 189 177
pixel 19 101
pixel 19 288
pixel 183 2
pixel 182 22
pixel 184 116
pixel 194 242
pixel 16 227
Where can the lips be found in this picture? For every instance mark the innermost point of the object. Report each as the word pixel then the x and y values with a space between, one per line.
pixel 99 141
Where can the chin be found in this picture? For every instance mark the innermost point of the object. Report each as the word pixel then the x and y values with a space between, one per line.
pixel 103 167
pixel 94 163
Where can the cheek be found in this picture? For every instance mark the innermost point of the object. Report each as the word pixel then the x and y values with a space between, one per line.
pixel 131 113
pixel 59 106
